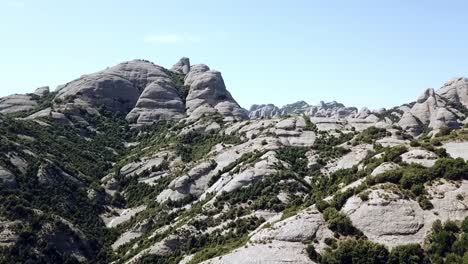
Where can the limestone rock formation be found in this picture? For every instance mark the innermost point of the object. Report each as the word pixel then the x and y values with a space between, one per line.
pixel 182 66
pixel 159 101
pixel 17 103
pixel 403 218
pixel 264 111
pixel 208 95
pixel 455 91
pixel 7 178
pixel 42 91
pixel 331 110
pixel 117 88
pixel 432 110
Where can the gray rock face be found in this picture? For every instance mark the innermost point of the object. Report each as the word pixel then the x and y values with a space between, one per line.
pixel 363 113
pixel 50 174
pixel 403 218
pixel 455 91
pixel 305 226
pixel 432 110
pixel 159 101
pixel 277 252
pixel 49 113
pixel 332 110
pixel 420 156
pixel 182 66
pixel 147 93
pixel 8 236
pixel 323 110
pixel 208 95
pixel 17 103
pixel 264 111
pixel 42 91
pixel 457 149
pixel 117 88
pixel 384 167
pixel 7 177
pixel 410 123
pixel 295 108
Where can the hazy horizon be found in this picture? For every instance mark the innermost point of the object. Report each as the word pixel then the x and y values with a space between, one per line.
pixel 359 54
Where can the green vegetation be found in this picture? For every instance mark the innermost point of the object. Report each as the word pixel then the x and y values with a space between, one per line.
pixel 295 156
pixel 74 165
pixel 447 243
pixel 81 155
pixel 327 147
pixel 407 254
pixel 194 146
pixel 178 80
pixel 370 135
pixel 356 251
pixel 340 223
pixel 310 126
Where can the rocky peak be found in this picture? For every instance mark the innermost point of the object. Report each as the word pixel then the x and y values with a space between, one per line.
pixel 42 91
pixel 208 95
pixel 363 113
pixel 264 111
pixel 456 91
pixel 147 93
pixel 428 93
pixel 295 108
pixel 182 66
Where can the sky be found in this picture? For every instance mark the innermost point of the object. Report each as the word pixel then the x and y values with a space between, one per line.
pixel 360 53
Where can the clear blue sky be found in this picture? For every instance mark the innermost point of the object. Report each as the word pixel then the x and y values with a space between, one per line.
pixel 356 52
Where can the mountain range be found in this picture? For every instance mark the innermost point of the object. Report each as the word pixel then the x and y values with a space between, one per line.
pixel 138 163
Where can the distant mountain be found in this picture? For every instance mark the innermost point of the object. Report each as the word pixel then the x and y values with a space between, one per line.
pixel 446 107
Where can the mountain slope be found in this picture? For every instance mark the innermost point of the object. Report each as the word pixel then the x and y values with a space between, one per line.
pixel 141 164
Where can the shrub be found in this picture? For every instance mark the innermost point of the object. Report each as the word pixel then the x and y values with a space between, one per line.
pixel 312 253
pixel 322 205
pixel 441 239
pixel 425 203
pixel 339 222
pixel 331 242
pixel 444 131
pixel 452 169
pixel 393 154
pixel 413 175
pixel 371 134
pixel 356 251
pixel 309 125
pixel 364 196
pixel 408 254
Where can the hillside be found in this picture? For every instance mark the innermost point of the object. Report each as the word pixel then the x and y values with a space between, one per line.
pixel 142 164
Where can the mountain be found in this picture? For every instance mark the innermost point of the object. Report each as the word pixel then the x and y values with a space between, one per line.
pixel 433 110
pixel 142 164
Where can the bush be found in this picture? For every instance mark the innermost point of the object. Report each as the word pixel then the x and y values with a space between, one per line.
pixel 451 169
pixel 339 222
pixel 441 239
pixel 393 154
pixel 309 125
pixel 322 205
pixel 312 253
pixel 407 254
pixel 369 135
pixel 414 174
pixel 425 203
pixel 356 251
pixel 444 131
